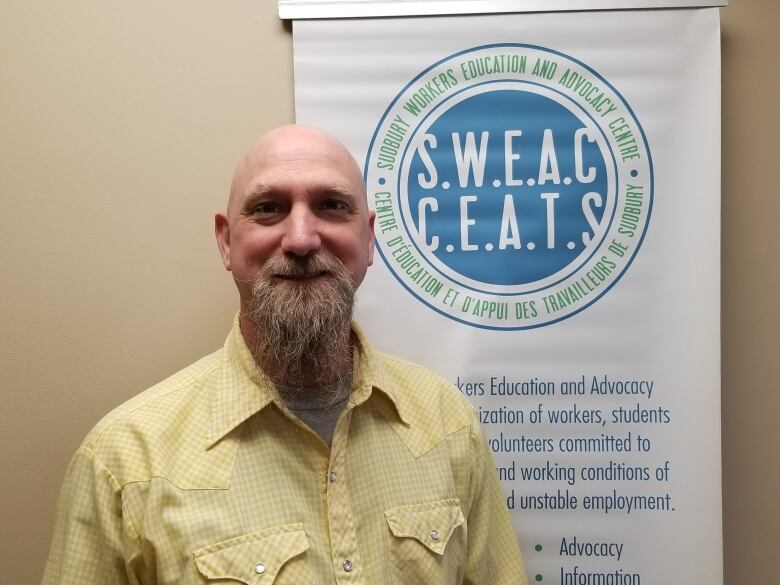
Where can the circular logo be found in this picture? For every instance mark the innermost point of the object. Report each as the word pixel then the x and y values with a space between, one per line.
pixel 512 186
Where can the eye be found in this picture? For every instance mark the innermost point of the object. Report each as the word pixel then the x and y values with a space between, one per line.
pixel 334 205
pixel 266 207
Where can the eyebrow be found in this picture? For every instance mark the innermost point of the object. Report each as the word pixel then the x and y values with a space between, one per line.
pixel 258 192
pixel 263 190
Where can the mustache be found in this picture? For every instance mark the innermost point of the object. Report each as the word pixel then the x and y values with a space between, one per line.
pixel 297 266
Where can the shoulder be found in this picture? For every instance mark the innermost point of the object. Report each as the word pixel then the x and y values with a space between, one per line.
pixel 406 373
pixel 148 433
pixel 157 407
pixel 425 396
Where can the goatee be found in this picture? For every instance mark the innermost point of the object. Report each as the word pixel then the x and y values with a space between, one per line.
pixel 301 310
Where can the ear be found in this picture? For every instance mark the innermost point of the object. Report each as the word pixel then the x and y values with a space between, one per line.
pixel 222 232
pixel 371 218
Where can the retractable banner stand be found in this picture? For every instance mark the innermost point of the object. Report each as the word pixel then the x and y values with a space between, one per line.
pixel 547 198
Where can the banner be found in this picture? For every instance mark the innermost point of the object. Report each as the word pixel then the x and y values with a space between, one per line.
pixel 547 196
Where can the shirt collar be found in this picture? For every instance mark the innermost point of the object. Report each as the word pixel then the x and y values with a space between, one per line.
pixel 369 374
pixel 242 390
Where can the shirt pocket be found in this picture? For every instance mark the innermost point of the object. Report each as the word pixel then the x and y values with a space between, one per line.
pixel 275 555
pixel 427 543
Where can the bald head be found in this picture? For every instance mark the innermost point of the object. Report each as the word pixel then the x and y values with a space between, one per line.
pixel 286 145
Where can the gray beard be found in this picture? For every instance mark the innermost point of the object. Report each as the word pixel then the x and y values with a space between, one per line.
pixel 302 328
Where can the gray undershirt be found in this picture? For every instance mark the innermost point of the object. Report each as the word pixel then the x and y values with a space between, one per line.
pixel 318 408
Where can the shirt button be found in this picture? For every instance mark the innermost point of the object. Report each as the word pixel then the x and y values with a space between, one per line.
pixel 434 535
pixel 347 565
pixel 332 476
pixel 259 568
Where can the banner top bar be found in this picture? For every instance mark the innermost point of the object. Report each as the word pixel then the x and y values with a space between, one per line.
pixel 303 9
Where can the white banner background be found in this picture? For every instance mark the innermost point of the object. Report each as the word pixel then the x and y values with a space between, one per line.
pixel 659 321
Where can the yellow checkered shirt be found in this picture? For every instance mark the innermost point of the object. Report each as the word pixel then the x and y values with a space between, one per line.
pixel 207 478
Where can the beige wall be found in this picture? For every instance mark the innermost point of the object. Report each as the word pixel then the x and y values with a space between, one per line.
pixel 120 125
pixel 751 279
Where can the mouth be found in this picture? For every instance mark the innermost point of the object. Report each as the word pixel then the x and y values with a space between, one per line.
pixel 308 277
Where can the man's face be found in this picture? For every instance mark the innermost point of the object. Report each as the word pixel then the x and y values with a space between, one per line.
pixel 298 193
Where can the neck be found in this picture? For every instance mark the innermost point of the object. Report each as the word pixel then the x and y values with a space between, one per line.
pixel 326 396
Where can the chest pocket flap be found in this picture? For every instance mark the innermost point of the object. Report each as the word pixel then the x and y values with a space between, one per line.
pixel 253 559
pixel 431 523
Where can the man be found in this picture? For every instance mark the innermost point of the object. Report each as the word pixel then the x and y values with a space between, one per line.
pixel 296 454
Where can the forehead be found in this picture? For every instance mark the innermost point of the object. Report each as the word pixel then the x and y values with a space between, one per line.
pixel 298 164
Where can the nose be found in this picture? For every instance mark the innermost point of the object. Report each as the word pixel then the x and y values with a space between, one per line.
pixel 301 236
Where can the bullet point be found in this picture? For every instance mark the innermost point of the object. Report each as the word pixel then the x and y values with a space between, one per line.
pixel 539 577
pixel 538 547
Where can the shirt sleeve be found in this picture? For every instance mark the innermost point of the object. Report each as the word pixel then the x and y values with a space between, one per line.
pixel 92 537
pixel 493 554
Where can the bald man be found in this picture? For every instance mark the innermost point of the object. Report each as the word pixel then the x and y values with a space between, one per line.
pixel 296 454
